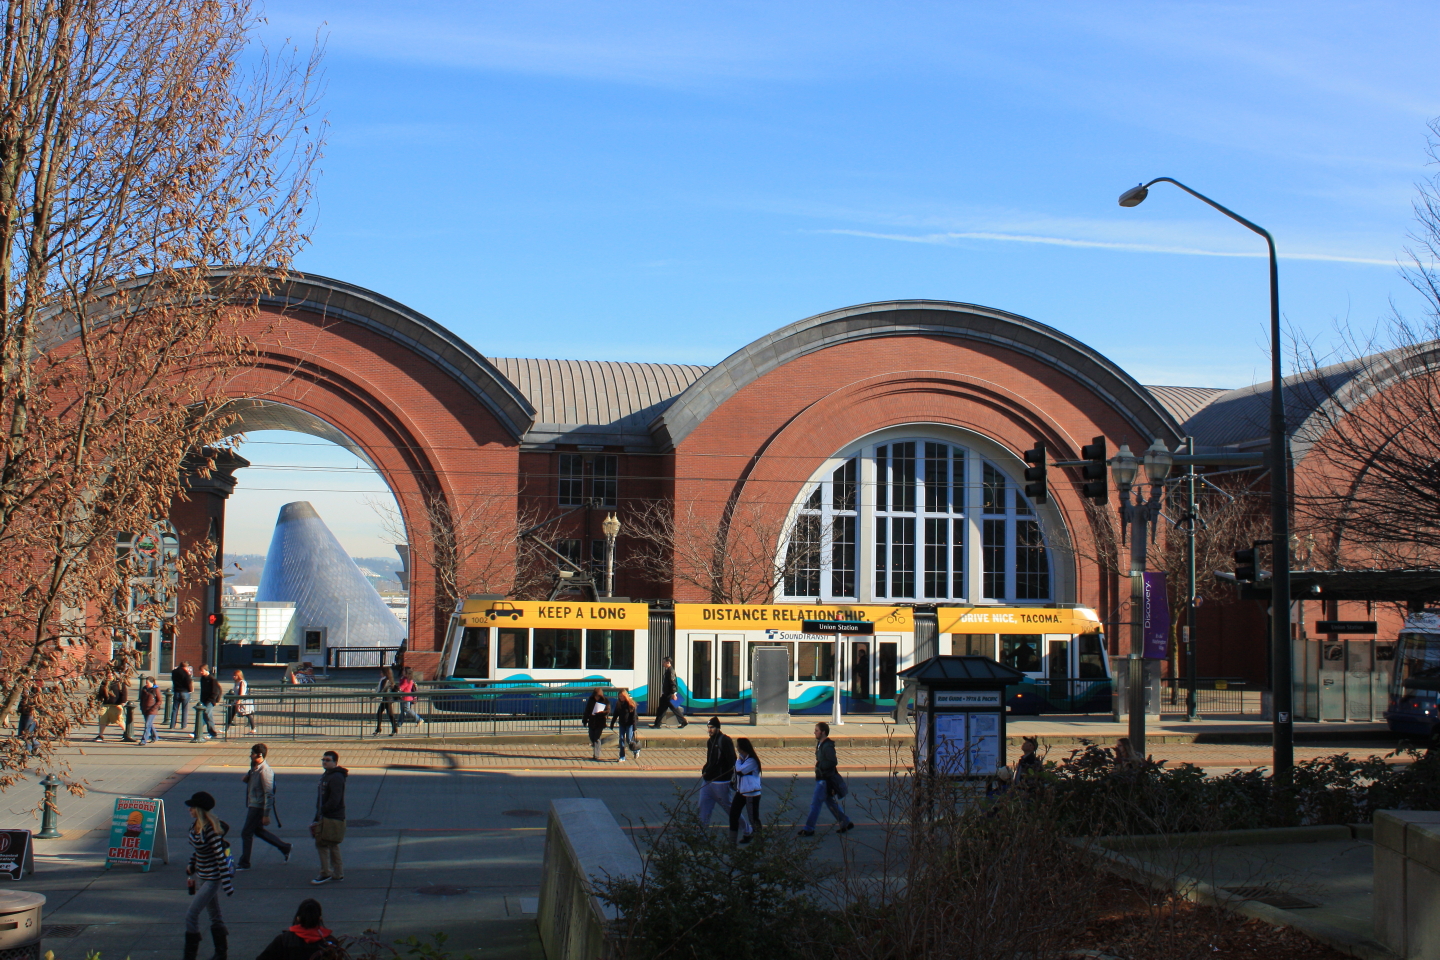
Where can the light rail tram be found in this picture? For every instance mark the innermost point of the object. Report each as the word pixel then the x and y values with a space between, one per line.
pixel 510 650
pixel 1415 684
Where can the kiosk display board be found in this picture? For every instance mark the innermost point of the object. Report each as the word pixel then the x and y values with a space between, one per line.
pixel 17 854
pixel 960 715
pixel 137 833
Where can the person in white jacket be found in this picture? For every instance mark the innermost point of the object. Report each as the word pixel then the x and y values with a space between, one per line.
pixel 747 791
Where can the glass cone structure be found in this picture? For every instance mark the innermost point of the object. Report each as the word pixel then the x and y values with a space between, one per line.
pixel 307 566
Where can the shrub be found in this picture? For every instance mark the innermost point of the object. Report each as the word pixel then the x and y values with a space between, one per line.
pixel 700 897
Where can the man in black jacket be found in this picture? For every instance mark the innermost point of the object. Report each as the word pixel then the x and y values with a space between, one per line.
pixel 209 696
pixel 668 689
pixel 328 829
pixel 715 775
pixel 181 683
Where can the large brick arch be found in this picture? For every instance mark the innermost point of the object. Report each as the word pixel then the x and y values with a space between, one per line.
pixel 759 433
pixel 424 408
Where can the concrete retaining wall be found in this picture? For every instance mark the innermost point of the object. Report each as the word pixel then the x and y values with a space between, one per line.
pixel 1407 882
pixel 583 843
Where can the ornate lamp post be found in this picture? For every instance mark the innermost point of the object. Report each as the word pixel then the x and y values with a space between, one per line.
pixel 611 526
pixel 1140 513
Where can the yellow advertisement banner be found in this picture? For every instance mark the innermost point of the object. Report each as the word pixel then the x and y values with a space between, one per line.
pixel 1017 620
pixel 550 613
pixel 759 616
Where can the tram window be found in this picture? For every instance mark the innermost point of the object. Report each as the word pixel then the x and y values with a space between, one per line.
pixel 610 649
pixel 557 649
pixel 700 669
pixel 972 644
pixel 1092 656
pixel 789 650
pixel 1419 657
pixel 816 661
pixel 1020 651
pixel 474 657
pixel 513 649
pixel 729 668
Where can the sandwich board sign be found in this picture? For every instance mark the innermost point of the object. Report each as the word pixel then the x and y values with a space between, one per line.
pixel 17 854
pixel 137 833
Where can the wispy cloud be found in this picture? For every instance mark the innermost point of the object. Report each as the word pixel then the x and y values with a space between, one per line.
pixel 953 237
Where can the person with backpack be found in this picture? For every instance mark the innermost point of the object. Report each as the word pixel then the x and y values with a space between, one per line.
pixel 626 714
pixel 149 709
pixel 386 688
pixel 717 773
pixel 669 697
pixel 594 714
pixel 328 827
pixel 304 938
pixel 747 791
pixel 207 873
pixel 407 689
pixel 260 807
pixel 830 787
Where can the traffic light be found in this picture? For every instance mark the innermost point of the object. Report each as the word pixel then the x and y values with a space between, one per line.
pixel 1095 471
pixel 1245 568
pixel 217 619
pixel 1035 473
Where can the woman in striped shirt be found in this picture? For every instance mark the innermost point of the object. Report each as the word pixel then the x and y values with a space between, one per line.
pixel 208 872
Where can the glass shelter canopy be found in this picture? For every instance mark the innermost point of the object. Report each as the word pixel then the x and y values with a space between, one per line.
pixel 916 519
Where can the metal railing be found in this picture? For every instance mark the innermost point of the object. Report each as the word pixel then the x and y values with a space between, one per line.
pixel 437 709
pixel 341 657
pixel 1215 695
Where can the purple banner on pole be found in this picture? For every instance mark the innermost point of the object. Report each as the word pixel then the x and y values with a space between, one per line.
pixel 1155 617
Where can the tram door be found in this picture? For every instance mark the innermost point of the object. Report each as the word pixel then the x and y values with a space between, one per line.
pixel 715 672
pixel 1057 670
pixel 872 665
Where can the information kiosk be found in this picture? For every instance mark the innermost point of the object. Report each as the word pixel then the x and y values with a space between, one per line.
pixel 960 715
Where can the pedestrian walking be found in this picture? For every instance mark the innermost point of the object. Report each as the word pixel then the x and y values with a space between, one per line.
pixel 595 713
pixel 307 937
pixel 830 787
pixel 717 773
pixel 28 721
pixel 747 791
pixel 208 695
pixel 328 827
pixel 260 807
pixel 1030 763
pixel 112 694
pixel 207 873
pixel 669 696
pixel 407 697
pixel 386 688
pixel 240 703
pixel 181 685
pixel 625 716
pixel 149 709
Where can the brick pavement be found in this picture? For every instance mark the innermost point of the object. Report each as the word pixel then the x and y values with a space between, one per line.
pixel 484 754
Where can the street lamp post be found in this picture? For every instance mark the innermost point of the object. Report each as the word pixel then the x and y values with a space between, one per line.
pixel 611 527
pixel 1140 515
pixel 1282 727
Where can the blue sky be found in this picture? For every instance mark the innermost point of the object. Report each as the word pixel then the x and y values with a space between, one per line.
pixel 668 181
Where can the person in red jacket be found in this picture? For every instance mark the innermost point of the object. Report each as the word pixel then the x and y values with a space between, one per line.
pixel 306 936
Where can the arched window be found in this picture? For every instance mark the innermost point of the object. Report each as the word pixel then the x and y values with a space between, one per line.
pixel 916 520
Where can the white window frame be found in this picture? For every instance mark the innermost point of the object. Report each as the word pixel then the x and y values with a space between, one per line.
pixel 978 452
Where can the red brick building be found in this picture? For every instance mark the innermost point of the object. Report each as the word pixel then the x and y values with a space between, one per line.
pixel 888 437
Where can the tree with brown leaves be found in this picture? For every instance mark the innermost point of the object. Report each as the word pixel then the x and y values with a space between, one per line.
pixel 150 190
